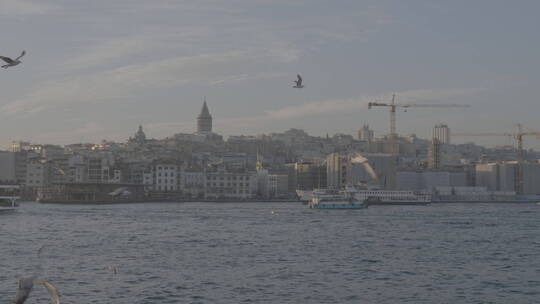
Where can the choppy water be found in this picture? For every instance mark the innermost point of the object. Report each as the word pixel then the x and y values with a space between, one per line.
pixel 245 253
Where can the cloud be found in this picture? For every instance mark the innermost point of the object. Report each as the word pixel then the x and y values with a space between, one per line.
pixel 311 110
pixel 87 132
pixel 436 95
pixel 168 127
pixel 24 7
pixel 129 81
pixel 109 51
pixel 339 106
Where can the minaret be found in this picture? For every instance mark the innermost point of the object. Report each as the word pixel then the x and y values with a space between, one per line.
pixel 204 120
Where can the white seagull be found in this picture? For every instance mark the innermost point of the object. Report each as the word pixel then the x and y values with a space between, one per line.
pixel 12 62
pixel 25 287
pixel 298 82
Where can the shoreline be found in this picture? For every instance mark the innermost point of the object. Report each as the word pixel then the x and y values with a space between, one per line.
pixel 265 201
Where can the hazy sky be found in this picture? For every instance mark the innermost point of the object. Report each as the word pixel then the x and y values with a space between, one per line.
pixel 97 69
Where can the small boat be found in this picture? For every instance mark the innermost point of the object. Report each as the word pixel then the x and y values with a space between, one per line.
pixel 8 197
pixel 336 200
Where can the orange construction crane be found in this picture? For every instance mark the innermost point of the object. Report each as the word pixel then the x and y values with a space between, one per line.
pixel 393 105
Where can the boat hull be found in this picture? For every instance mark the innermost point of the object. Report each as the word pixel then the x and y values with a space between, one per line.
pixel 338 206
pixel 398 203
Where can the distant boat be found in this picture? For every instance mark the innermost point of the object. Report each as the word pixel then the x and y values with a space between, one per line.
pixel 9 195
pixel 336 200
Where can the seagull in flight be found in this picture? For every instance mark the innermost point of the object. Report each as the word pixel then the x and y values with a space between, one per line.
pixel 12 62
pixel 298 82
pixel 25 287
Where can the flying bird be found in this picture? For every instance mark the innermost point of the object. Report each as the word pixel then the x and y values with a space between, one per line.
pixel 12 62
pixel 53 291
pixel 298 82
pixel 25 287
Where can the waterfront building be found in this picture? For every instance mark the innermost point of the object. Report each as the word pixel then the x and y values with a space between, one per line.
pixel 38 174
pixel 496 176
pixel 531 178
pixel 77 169
pixel 430 180
pixel 278 185
pixel 192 182
pixel 224 184
pixel 7 166
pixel 161 177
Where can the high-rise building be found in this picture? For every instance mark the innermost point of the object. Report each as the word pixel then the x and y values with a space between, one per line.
pixel 204 120
pixel 336 170
pixel 434 154
pixel 365 133
pixel 442 133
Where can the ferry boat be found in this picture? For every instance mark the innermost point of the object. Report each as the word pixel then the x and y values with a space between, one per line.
pixel 335 200
pixel 376 196
pixel 393 197
pixel 9 194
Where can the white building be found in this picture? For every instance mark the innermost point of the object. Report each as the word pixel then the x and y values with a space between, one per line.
pixel 498 176
pixel 37 174
pixel 192 183
pixel 430 180
pixel 226 184
pixel 161 177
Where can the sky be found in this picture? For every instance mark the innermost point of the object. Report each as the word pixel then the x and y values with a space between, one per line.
pixel 98 69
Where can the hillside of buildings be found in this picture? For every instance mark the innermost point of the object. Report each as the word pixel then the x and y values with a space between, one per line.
pixel 205 165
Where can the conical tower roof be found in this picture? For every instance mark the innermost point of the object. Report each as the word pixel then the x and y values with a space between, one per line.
pixel 204 111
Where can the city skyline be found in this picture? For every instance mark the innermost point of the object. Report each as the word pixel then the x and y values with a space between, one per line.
pixel 97 71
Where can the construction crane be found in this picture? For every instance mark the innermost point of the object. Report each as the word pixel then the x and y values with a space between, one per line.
pixel 393 105
pixel 519 149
